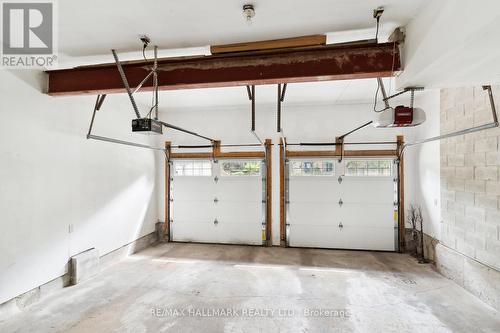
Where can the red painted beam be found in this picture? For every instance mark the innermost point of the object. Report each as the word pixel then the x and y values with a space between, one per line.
pixel 321 63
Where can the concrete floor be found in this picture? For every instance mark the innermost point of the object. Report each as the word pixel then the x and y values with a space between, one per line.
pixel 180 288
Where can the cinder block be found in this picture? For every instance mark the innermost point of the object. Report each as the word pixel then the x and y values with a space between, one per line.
pixel 444 160
pixel 486 173
pixel 487 257
pixel 493 158
pixel 448 126
pixel 450 264
pixel 462 123
pixel 464 94
pixel 464 172
pixel 457 232
pixel 480 95
pixel 447 195
pixel 475 159
pixel 469 108
pixel 493 187
pixel 483 145
pixel 446 99
pixel 465 147
pixel 483 282
pixel 456 184
pixel 448 216
pixel 486 201
pixel 465 198
pixel 448 148
pixel 475 214
pixel 493 216
pixel 465 247
pixel 475 186
pixel 448 172
pixel 455 207
pixel 456 160
pixel 488 231
pixel 84 265
pixel 478 241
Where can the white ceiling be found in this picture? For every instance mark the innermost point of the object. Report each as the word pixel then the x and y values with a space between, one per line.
pixel 93 27
pixel 89 29
pixel 311 93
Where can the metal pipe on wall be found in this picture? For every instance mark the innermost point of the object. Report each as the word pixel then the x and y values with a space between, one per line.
pixel 462 132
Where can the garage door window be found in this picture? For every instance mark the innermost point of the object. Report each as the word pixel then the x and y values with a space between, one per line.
pixel 312 168
pixel 368 168
pixel 193 168
pixel 240 168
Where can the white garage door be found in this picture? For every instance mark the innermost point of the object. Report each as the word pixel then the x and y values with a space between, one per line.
pixel 347 205
pixel 217 202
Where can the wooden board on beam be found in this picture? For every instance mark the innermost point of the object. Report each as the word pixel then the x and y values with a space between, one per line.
pixel 270 44
pixel 321 63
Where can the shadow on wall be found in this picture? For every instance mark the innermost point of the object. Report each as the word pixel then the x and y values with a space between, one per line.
pixel 60 193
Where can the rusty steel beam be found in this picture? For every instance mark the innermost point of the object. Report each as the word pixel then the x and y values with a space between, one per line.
pixel 319 63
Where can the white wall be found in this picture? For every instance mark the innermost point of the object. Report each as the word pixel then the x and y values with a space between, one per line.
pixel 52 178
pixel 301 123
pixel 422 165
pixel 452 43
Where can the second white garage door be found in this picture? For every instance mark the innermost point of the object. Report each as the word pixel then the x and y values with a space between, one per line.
pixel 348 205
pixel 217 202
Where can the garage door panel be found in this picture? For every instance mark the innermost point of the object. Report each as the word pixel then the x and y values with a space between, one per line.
pixel 318 235
pixel 200 231
pixel 311 212
pixel 193 210
pixel 239 233
pixel 369 238
pixel 239 212
pixel 249 189
pixel 218 208
pixel 367 190
pixel 325 189
pixel 370 215
pixel 193 188
pixel 364 220
pixel 321 236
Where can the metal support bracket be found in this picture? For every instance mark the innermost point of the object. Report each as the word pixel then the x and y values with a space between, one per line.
pixel 281 98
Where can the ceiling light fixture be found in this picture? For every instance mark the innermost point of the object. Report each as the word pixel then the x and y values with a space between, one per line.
pixel 248 13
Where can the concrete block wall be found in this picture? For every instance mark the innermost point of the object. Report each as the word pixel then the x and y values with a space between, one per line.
pixel 470 193
pixel 470 176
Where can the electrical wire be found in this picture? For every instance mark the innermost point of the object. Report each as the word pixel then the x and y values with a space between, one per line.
pixel 153 104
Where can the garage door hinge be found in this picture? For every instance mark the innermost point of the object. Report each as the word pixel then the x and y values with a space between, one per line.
pixel 341 202
pixel 340 179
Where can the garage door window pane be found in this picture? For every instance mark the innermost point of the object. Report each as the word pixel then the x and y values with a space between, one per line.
pixel 368 168
pixel 193 168
pixel 312 168
pixel 240 168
